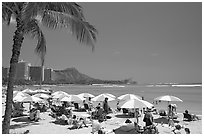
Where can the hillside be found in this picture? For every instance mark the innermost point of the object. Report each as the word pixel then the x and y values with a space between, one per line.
pixel 71 75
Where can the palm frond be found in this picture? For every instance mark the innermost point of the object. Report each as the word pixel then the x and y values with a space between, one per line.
pixel 84 32
pixel 33 9
pixel 8 9
pixel 32 29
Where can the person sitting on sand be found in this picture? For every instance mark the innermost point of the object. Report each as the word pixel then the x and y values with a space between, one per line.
pixel 98 129
pixel 76 124
pixel 192 117
pixel 177 129
pixel 128 127
pixel 99 113
pixel 34 114
pixel 187 130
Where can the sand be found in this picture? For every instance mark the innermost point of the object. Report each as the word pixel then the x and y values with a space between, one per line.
pixel 46 125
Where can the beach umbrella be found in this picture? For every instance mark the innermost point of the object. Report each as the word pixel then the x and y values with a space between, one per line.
pixel 71 98
pixel 15 93
pixel 128 97
pixel 42 91
pixel 42 95
pixel 102 97
pixel 86 95
pixel 19 98
pixel 111 95
pixel 168 98
pixel 29 91
pixel 135 103
pixel 59 94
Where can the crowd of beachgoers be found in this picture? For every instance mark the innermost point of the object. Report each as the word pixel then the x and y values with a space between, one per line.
pixel 45 111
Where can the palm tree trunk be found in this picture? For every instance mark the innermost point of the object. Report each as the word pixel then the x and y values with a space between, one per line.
pixel 17 39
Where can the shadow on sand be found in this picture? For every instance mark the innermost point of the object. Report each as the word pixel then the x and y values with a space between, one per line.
pixel 22 122
pixel 21 125
pixel 164 120
pixel 123 116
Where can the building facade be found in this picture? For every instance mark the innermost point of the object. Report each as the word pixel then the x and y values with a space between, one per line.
pixel 48 74
pixel 36 73
pixel 22 70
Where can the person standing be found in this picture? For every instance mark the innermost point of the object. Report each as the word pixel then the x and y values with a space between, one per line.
pixel 105 108
pixel 148 118
pixel 137 113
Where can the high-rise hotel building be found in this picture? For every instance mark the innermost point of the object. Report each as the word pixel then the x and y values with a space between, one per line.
pixel 22 70
pixel 36 73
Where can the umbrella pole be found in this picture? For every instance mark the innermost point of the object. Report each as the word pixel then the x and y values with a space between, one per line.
pixel 30 106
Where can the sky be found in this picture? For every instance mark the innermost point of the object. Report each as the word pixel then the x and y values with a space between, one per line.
pixel 148 42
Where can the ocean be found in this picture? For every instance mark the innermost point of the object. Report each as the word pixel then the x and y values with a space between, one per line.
pixel 191 95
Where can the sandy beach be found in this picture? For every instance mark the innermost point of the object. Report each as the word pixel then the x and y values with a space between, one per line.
pixel 47 126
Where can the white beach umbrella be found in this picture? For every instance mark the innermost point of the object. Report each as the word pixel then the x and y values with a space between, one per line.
pixel 135 103
pixel 59 92
pixel 168 98
pixel 111 95
pixel 86 95
pixel 15 93
pixel 71 98
pixel 128 97
pixel 29 91
pixel 102 97
pixel 42 95
pixel 27 99
pixel 42 91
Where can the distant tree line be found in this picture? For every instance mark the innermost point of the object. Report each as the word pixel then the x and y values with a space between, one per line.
pixel 63 81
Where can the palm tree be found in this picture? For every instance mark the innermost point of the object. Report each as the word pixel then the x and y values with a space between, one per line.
pixel 28 16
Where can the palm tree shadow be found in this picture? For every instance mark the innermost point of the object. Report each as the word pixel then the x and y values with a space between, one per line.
pixel 21 119
pixel 164 120
pixel 21 125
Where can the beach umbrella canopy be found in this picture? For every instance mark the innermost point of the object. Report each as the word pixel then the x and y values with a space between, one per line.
pixel 128 97
pixel 102 97
pixel 20 98
pixel 59 94
pixel 42 95
pixel 111 95
pixel 29 91
pixel 15 93
pixel 86 95
pixel 71 98
pixel 168 98
pixel 135 103
pixel 42 91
